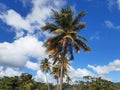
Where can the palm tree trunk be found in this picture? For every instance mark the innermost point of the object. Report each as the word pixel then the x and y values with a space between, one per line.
pixel 57 83
pixel 47 82
pixel 61 76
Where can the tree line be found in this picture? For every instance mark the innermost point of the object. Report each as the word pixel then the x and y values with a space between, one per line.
pixel 26 82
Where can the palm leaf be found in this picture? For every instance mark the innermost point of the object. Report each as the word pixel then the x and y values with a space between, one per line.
pixel 49 27
pixel 83 38
pixel 79 26
pixel 72 32
pixel 79 16
pixel 58 31
pixel 82 45
pixel 55 14
pixel 68 37
pixel 77 47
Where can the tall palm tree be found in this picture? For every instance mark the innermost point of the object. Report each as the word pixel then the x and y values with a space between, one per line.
pixel 68 79
pixel 45 67
pixel 64 64
pixel 65 27
pixel 56 73
pixel 56 70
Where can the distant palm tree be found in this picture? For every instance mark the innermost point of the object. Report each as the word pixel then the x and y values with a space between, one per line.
pixel 68 79
pixel 64 64
pixel 56 73
pixel 45 67
pixel 56 70
pixel 65 27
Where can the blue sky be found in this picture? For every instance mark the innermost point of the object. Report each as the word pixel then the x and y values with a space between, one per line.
pixel 21 39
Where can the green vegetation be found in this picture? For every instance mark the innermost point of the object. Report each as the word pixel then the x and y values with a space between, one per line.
pixel 45 67
pixel 25 82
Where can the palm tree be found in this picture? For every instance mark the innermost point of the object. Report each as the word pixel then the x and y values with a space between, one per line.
pixel 56 73
pixel 68 79
pixel 65 27
pixel 56 70
pixel 45 66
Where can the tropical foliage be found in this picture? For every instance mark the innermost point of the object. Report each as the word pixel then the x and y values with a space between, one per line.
pixel 45 67
pixel 25 82
pixel 66 28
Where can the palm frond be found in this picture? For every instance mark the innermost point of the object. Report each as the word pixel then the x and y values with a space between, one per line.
pixel 55 14
pixel 83 38
pixel 68 37
pixel 82 45
pixel 49 27
pixel 77 47
pixel 45 65
pixel 72 32
pixel 79 16
pixel 79 26
pixel 58 31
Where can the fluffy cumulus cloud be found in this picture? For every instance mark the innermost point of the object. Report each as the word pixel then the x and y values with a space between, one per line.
pixel 106 69
pixel 113 4
pixel 12 18
pixel 18 53
pixel 40 76
pixel 9 72
pixel 118 2
pixel 32 65
pixel 40 11
pixel 78 73
pixel 75 74
pixel 26 43
pixel 110 25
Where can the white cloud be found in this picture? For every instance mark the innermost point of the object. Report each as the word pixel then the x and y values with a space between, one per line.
pixel 106 69
pixel 110 25
pixel 95 36
pixel 118 2
pixel 78 73
pixel 113 4
pixel 75 74
pixel 40 76
pixel 32 65
pixel 9 72
pixel 15 20
pixel 18 52
pixel 36 18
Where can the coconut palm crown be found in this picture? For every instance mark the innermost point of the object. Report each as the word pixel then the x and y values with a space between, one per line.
pixel 45 65
pixel 65 27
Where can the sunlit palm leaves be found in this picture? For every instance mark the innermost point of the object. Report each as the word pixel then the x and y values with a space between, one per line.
pixel 65 27
pixel 56 68
pixel 45 65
